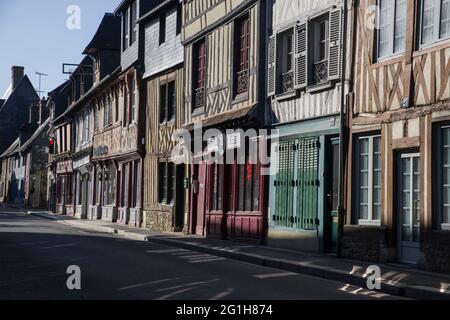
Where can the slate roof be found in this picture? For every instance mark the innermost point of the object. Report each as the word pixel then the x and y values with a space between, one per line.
pixel 107 35
pixel 13 148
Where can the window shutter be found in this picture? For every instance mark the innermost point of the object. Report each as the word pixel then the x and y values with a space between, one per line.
pixel 301 56
pixel 335 47
pixel 272 66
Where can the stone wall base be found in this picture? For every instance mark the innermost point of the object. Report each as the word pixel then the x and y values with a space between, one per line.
pixel 159 220
pixel 435 250
pixel 366 243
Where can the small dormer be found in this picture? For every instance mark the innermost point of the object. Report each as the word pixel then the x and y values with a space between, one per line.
pixel 81 80
pixel 104 48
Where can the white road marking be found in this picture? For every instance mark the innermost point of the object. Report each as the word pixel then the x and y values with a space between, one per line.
pixel 275 275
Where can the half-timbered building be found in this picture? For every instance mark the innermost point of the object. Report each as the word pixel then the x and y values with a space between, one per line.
pixel 224 90
pixel 62 131
pixel 398 190
pixel 165 196
pixel 304 90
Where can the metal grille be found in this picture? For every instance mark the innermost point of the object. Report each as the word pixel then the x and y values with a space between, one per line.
pixel 200 97
pixel 242 81
pixel 321 72
pixel 287 81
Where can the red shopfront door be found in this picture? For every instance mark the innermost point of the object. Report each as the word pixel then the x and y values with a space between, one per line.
pixel 199 199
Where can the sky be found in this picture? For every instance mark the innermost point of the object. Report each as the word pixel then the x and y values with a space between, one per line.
pixel 40 35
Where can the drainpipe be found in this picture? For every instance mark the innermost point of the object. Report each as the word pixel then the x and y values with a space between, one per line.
pixel 342 132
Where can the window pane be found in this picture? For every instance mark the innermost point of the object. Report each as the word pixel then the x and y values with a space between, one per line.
pixel 162 175
pixel 428 21
pixel 171 103
pixel 445 19
pixel 376 197
pixel 171 186
pixel 385 27
pixel 219 186
pixel 241 184
pixel 364 178
pixel 162 103
pixel 133 22
pixel 446 175
pixel 400 26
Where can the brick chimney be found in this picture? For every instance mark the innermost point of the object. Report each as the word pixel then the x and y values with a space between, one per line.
pixel 17 74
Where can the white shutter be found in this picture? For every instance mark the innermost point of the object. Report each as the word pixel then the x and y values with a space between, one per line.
pixel 301 56
pixel 335 47
pixel 272 66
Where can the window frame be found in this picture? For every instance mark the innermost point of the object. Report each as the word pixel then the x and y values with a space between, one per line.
pixel 438 198
pixel 166 182
pixel 392 33
pixel 162 28
pixel 437 37
pixel 133 22
pixel 241 55
pixel 370 186
pixel 199 71
pixel 167 112
pixel 314 46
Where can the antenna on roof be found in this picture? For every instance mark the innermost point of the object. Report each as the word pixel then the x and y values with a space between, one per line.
pixel 40 75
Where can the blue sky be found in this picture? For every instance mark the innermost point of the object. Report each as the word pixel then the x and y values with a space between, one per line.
pixel 34 34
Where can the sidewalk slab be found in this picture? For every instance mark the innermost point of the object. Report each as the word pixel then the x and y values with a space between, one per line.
pixel 396 280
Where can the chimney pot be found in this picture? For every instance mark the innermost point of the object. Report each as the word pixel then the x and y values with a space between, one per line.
pixel 17 73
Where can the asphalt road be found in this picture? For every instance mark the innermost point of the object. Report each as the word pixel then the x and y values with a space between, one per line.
pixel 35 254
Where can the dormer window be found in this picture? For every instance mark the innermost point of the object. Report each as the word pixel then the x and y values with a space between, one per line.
pixel 133 24
pixel 162 29
pixel 126 30
pixel 129 26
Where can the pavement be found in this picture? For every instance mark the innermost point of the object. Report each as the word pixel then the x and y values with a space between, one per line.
pixel 396 280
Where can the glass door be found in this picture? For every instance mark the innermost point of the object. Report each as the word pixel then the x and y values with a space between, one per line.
pixel 409 208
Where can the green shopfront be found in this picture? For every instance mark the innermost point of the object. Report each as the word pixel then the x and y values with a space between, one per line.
pixel 304 185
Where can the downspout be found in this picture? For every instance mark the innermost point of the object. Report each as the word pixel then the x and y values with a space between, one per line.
pixel 342 133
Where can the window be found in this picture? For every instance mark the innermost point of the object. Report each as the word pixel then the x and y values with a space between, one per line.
pixel 166 177
pixel 199 77
pixel 391 34
pixel 167 102
pixel 162 29
pixel 286 62
pixel 110 176
pixel 242 39
pixel 130 101
pixel 133 24
pixel 133 100
pixel 116 104
pixel 320 31
pixel 442 173
pixel 107 111
pixel 179 18
pixel 126 30
pixel 134 199
pixel 435 20
pixel 86 128
pixel 216 192
pixel 369 179
pixel 95 118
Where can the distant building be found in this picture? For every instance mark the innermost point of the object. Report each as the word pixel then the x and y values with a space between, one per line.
pixel 14 106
